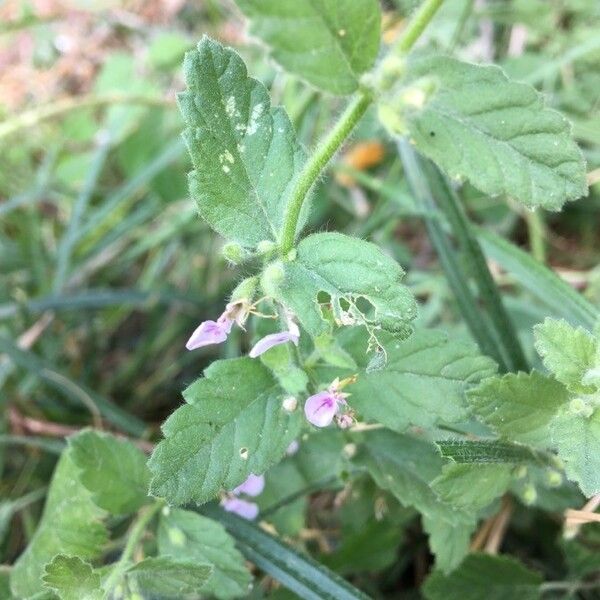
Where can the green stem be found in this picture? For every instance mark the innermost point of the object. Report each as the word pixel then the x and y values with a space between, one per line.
pixel 137 531
pixel 417 25
pixel 537 232
pixel 317 162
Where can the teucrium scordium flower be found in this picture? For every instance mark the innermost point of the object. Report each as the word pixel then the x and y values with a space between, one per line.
pixel 274 339
pixel 323 407
pixel 253 486
pixel 210 332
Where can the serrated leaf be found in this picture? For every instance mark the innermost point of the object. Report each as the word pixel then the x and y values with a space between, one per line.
pixel 167 578
pixel 186 535
pixel 449 542
pixel 73 579
pixel 484 576
pixel 113 470
pixel 406 466
pixel 346 269
pixel 233 424
pixel 489 451
pixel 423 382
pixel 70 524
pixel 330 43
pixel 577 438
pixel 568 352
pixel 519 406
pixel 472 486
pixel 245 154
pixel 495 132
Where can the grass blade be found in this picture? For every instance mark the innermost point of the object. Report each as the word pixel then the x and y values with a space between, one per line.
pixel 297 572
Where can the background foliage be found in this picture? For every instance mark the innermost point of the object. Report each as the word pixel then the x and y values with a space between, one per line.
pixel 106 268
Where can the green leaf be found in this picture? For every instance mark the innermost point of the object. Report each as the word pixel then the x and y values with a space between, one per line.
pixel 449 542
pixel 489 451
pixel 113 470
pixel 347 270
pixel 484 576
pixel 519 407
pixel 186 535
pixel 166 578
pixel 472 486
pixel 330 43
pixel 245 154
pixel 495 132
pixel 423 382
pixel 297 572
pixel 577 438
pixel 406 466
pixel 70 524
pixel 233 424
pixel 568 352
pixel 73 579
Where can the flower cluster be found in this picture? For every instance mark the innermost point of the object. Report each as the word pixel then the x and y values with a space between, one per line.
pixel 253 486
pixel 216 332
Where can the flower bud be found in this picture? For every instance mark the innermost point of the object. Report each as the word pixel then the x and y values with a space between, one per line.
pixel 271 278
pixel 234 253
pixel 529 494
pixel 266 247
pixel 290 404
pixel 245 290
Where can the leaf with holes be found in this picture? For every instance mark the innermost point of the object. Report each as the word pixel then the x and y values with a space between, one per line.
pixel 330 43
pixel 245 154
pixel 233 424
pixel 476 123
pixel 347 270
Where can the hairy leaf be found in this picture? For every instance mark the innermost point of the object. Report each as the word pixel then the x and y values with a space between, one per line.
pixel 519 406
pixel 245 154
pixel 330 43
pixel 484 576
pixel 70 524
pixel 233 424
pixel 495 132
pixel 569 352
pixel 186 535
pixel 347 270
pixel 113 470
pixel 577 438
pixel 472 486
pixel 73 579
pixel 165 577
pixel 423 382
pixel 406 466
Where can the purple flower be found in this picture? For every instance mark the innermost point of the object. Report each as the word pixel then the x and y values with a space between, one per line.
pixel 274 339
pixel 253 486
pixel 292 448
pixel 243 508
pixel 321 408
pixel 210 332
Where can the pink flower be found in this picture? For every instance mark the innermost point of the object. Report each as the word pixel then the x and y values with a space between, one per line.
pixel 242 508
pixel 253 486
pixel 321 408
pixel 210 332
pixel 274 339
pixel 293 448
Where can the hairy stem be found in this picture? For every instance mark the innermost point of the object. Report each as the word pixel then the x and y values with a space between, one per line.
pixel 317 162
pixel 135 535
pixel 417 25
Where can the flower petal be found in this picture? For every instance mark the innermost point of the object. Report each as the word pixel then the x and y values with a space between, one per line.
pixel 321 408
pixel 253 486
pixel 273 339
pixel 209 332
pixel 243 508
